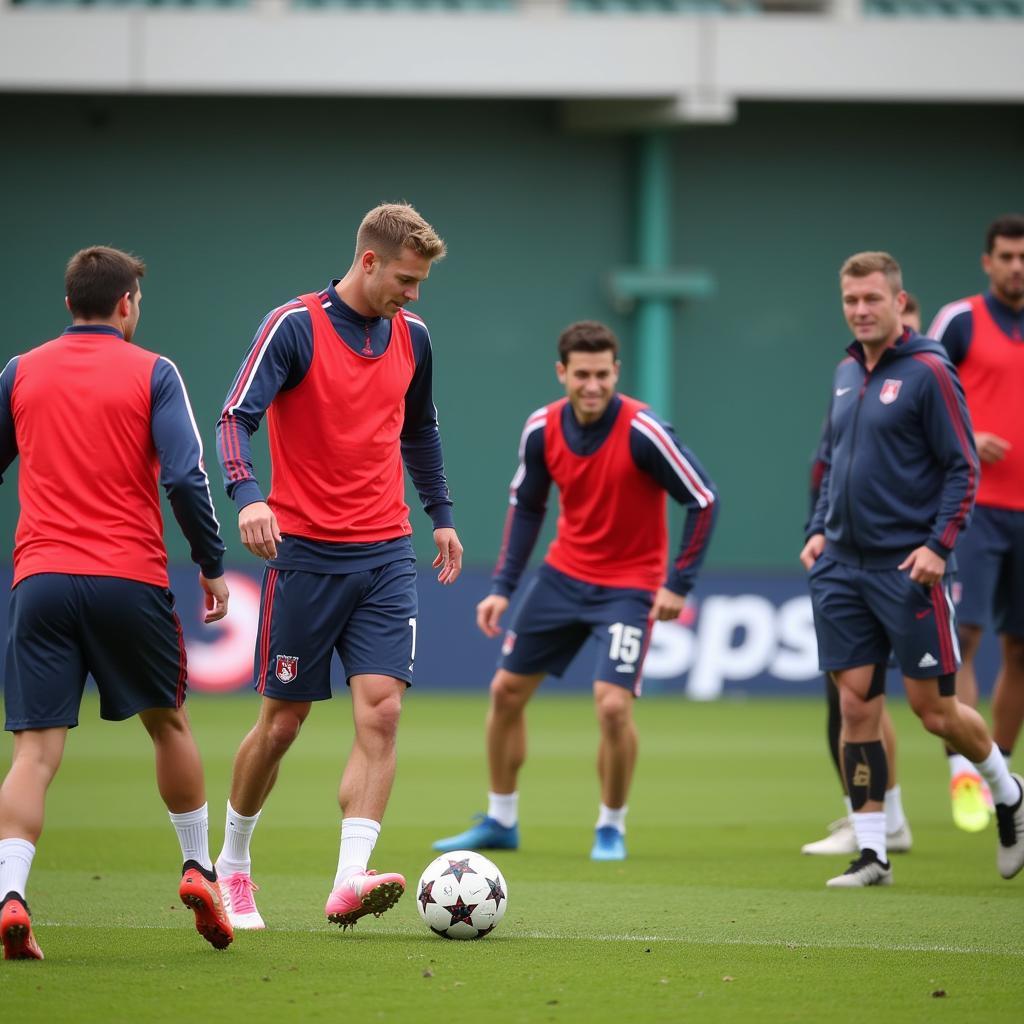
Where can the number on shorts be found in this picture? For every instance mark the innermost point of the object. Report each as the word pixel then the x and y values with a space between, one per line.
pixel 626 643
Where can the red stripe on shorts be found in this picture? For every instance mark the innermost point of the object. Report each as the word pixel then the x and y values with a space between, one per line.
pixel 268 609
pixel 182 663
pixel 947 660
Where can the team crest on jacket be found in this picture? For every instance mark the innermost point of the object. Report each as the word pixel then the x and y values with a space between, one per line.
pixel 890 391
pixel 287 667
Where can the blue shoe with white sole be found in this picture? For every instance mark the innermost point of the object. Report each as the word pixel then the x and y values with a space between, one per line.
pixel 486 834
pixel 609 844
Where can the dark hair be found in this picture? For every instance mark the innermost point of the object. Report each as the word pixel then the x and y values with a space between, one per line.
pixel 912 306
pixel 97 277
pixel 1011 225
pixel 586 336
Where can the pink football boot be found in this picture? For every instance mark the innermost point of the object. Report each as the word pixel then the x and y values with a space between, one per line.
pixel 362 894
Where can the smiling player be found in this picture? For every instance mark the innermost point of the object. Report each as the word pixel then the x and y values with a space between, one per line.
pixel 898 489
pixel 614 461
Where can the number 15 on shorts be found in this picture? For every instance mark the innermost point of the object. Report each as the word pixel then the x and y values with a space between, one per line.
pixel 626 646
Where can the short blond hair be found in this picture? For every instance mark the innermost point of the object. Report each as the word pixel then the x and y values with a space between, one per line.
pixel 862 264
pixel 391 227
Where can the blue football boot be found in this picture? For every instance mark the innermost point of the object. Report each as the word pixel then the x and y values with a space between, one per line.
pixel 486 834
pixel 609 844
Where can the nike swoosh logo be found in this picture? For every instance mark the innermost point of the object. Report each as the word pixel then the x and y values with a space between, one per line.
pixel 923 615
pixel 842 391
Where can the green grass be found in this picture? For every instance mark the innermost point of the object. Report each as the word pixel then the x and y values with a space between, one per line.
pixel 714 917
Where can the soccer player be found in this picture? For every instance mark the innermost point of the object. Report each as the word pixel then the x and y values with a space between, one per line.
pixel 344 375
pixel 97 423
pixel 841 838
pixel 614 461
pixel 897 492
pixel 984 337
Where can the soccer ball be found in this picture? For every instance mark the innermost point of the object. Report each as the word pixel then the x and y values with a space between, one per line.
pixel 462 895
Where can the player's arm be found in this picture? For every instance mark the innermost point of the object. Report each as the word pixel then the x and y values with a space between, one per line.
pixel 527 503
pixel 179 450
pixel 821 471
pixel 278 359
pixel 8 437
pixel 947 427
pixel 424 457
pixel 819 466
pixel 656 450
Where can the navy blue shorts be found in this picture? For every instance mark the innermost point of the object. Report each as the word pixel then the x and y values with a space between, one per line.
pixel 860 615
pixel 558 614
pixel 990 578
pixel 62 628
pixel 368 617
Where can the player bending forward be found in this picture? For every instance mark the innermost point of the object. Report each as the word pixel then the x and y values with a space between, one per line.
pixel 614 461
pixel 344 375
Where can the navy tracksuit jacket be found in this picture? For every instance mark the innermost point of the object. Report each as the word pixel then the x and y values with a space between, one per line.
pixel 901 469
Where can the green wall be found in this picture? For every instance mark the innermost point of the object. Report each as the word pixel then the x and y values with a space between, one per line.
pixel 238 205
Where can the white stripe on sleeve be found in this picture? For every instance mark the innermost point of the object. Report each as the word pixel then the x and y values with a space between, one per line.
pixel 945 315
pixel 662 440
pixel 534 421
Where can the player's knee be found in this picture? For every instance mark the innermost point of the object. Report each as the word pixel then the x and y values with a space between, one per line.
pixel 39 760
pixel 970 640
pixel 164 724
pixel 856 711
pixel 507 696
pixel 384 715
pixel 935 719
pixel 614 712
pixel 280 732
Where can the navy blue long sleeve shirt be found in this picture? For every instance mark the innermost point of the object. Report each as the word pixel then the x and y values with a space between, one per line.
pixel 284 347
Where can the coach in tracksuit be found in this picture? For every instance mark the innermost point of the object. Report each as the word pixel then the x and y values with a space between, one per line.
pixel 898 489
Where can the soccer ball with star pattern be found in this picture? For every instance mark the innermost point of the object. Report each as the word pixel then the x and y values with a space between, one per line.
pixel 462 895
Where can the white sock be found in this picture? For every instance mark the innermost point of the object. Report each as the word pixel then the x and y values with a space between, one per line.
pixel 994 771
pixel 895 819
pixel 615 818
pixel 358 838
pixel 959 765
pixel 193 828
pixel 870 829
pixel 849 806
pixel 15 862
pixel 503 808
pixel 234 855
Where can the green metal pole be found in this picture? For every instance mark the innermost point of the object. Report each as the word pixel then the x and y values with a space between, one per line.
pixel 654 316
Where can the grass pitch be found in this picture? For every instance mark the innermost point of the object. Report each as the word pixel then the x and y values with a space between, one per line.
pixel 714 917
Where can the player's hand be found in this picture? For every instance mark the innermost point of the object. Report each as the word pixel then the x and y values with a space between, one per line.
pixel 925 566
pixel 667 605
pixel 812 550
pixel 258 527
pixel 216 591
pixel 489 612
pixel 991 447
pixel 449 555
